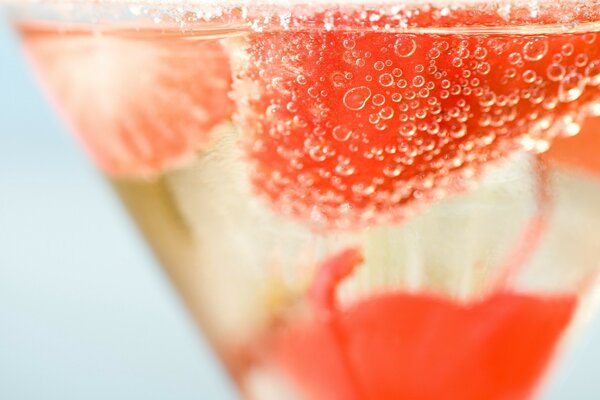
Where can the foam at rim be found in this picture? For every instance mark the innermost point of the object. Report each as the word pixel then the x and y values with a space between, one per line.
pixel 382 15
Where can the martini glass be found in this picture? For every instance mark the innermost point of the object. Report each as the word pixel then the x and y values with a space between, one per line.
pixel 355 201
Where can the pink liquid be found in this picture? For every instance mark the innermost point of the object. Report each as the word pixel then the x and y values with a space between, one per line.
pixel 415 150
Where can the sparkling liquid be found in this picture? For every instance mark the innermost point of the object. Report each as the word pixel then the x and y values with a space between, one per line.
pixel 379 223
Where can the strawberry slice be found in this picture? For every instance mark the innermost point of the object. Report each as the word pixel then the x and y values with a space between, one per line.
pixel 139 103
pixel 580 152
pixel 350 127
pixel 420 346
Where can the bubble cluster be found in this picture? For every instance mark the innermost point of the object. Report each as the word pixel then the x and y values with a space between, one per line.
pixel 330 15
pixel 387 122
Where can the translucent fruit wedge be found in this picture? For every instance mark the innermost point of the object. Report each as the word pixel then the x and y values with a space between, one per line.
pixel 139 106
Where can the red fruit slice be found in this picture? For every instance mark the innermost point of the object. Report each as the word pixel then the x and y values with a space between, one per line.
pixel 421 347
pixel 139 102
pixel 351 127
pixel 581 152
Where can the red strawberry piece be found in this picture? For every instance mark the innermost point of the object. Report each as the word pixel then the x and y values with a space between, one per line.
pixel 420 346
pixel 139 102
pixel 353 127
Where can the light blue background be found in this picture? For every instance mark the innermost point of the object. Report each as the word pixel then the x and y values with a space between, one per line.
pixel 85 312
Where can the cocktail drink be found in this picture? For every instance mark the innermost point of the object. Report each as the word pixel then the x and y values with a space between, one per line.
pixel 355 200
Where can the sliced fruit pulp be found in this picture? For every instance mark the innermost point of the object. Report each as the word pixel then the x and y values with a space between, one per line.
pixel 350 128
pixel 139 102
pixel 420 346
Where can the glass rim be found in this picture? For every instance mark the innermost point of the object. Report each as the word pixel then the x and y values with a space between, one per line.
pixel 381 15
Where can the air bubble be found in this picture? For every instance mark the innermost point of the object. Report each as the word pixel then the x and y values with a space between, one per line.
pixel 541 146
pixel 535 49
pixel 434 53
pixel 432 129
pixel 589 38
pixel 480 53
pixel 344 169
pixel 555 72
pixel 457 62
pixel 418 81
pixel 374 119
pixel 378 99
pixel 568 49
pixel 338 79
pixel 538 95
pixel 572 128
pixel 529 76
pixel 592 72
pixel 341 133
pixel 291 107
pixel 364 190
pixel 581 60
pixel 380 127
pixel 386 112
pixel 515 58
pixel 356 98
pixel 550 103
pixel 392 170
pixel 301 79
pixel 510 73
pixel 408 130
pixel 458 130
pixel 386 80
pixel 487 99
pixel 349 44
pixel 571 87
pixel 405 46
pixel 317 153
pixel 557 58
pixel 594 109
pixel 484 68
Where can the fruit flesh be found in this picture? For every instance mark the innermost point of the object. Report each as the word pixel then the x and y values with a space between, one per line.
pixel 358 128
pixel 420 346
pixel 138 106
